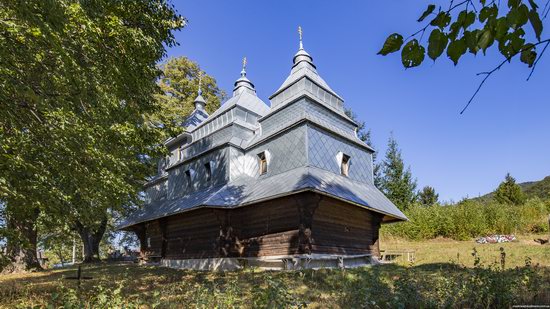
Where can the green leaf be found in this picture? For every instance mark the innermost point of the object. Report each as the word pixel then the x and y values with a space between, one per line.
pixel 437 43
pixel 442 20
pixel 504 48
pixel 412 54
pixel 518 17
pixel 469 19
pixel 471 38
pixel 393 43
pixel 534 18
pixel 517 40
pixel 501 28
pixel 528 54
pixel 427 12
pixel 513 3
pixel 485 40
pixel 456 49
pixel 488 12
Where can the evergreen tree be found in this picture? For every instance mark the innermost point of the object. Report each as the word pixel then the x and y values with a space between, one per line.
pixel 397 182
pixel 427 196
pixel 508 192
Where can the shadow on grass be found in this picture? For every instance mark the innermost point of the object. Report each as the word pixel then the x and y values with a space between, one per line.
pixel 427 285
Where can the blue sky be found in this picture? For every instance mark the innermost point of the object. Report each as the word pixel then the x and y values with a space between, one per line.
pixel 505 130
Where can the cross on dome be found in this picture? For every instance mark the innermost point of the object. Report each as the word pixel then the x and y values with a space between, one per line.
pixel 300 33
pixel 243 72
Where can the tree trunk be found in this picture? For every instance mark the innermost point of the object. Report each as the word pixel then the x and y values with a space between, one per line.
pixel 91 239
pixel 22 241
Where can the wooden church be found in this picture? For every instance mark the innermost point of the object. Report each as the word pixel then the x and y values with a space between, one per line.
pixel 287 185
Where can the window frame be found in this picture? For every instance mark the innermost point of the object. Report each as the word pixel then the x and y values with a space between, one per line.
pixel 208 167
pixel 189 178
pixel 345 165
pixel 262 163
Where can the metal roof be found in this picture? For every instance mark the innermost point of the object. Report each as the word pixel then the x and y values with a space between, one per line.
pixel 247 190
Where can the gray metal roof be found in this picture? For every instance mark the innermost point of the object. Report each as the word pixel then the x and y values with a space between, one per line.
pixel 246 99
pixel 300 70
pixel 247 190
pixel 197 117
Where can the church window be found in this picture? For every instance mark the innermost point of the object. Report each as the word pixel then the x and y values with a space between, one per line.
pixel 344 165
pixel 208 168
pixel 189 178
pixel 263 162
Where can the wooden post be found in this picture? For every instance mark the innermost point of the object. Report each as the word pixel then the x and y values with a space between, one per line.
pixel 226 243
pixel 162 224
pixel 307 203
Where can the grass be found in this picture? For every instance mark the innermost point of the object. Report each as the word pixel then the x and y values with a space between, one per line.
pixel 441 250
pixel 437 279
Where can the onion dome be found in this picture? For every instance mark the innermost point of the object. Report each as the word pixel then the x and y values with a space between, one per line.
pixel 243 84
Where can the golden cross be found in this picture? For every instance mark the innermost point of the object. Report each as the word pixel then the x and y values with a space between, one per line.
pixel 300 32
pixel 200 79
pixel 244 63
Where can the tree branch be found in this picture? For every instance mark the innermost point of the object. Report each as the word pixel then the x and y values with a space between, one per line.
pixel 507 59
pixel 451 8
pixel 537 61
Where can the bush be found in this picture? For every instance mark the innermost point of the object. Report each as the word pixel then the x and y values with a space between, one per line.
pixel 471 219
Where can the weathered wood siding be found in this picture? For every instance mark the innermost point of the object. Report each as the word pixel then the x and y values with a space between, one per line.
pixel 341 228
pixel 300 224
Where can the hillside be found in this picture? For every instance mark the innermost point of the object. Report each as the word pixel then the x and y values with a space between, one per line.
pixel 540 188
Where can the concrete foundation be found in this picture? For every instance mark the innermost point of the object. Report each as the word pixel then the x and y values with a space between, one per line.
pixel 314 261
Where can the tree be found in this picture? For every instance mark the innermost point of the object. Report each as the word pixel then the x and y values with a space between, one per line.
pixel 509 192
pixel 77 81
pixel 466 26
pixel 179 84
pixel 366 136
pixel 396 182
pixel 427 196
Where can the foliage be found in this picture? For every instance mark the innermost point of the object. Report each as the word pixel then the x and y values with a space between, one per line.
pixel 427 196
pixel 471 219
pixel 540 189
pixel 514 27
pixel 508 192
pixel 179 84
pixel 76 79
pixel 449 285
pixel 396 181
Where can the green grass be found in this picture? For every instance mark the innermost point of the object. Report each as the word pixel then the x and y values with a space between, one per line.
pixel 437 279
pixel 441 250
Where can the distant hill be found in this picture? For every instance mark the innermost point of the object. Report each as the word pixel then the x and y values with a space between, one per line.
pixel 539 189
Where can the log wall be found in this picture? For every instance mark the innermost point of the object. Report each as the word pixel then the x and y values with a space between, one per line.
pixel 341 228
pixel 304 223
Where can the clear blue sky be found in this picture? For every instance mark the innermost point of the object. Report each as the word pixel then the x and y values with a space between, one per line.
pixel 507 128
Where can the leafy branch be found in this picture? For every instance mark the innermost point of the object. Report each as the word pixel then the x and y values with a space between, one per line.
pixel 472 31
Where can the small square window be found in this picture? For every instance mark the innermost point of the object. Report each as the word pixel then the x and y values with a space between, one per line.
pixel 263 163
pixel 208 169
pixel 344 166
pixel 188 177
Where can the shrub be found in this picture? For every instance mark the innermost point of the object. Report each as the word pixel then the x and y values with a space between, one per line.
pixel 471 218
